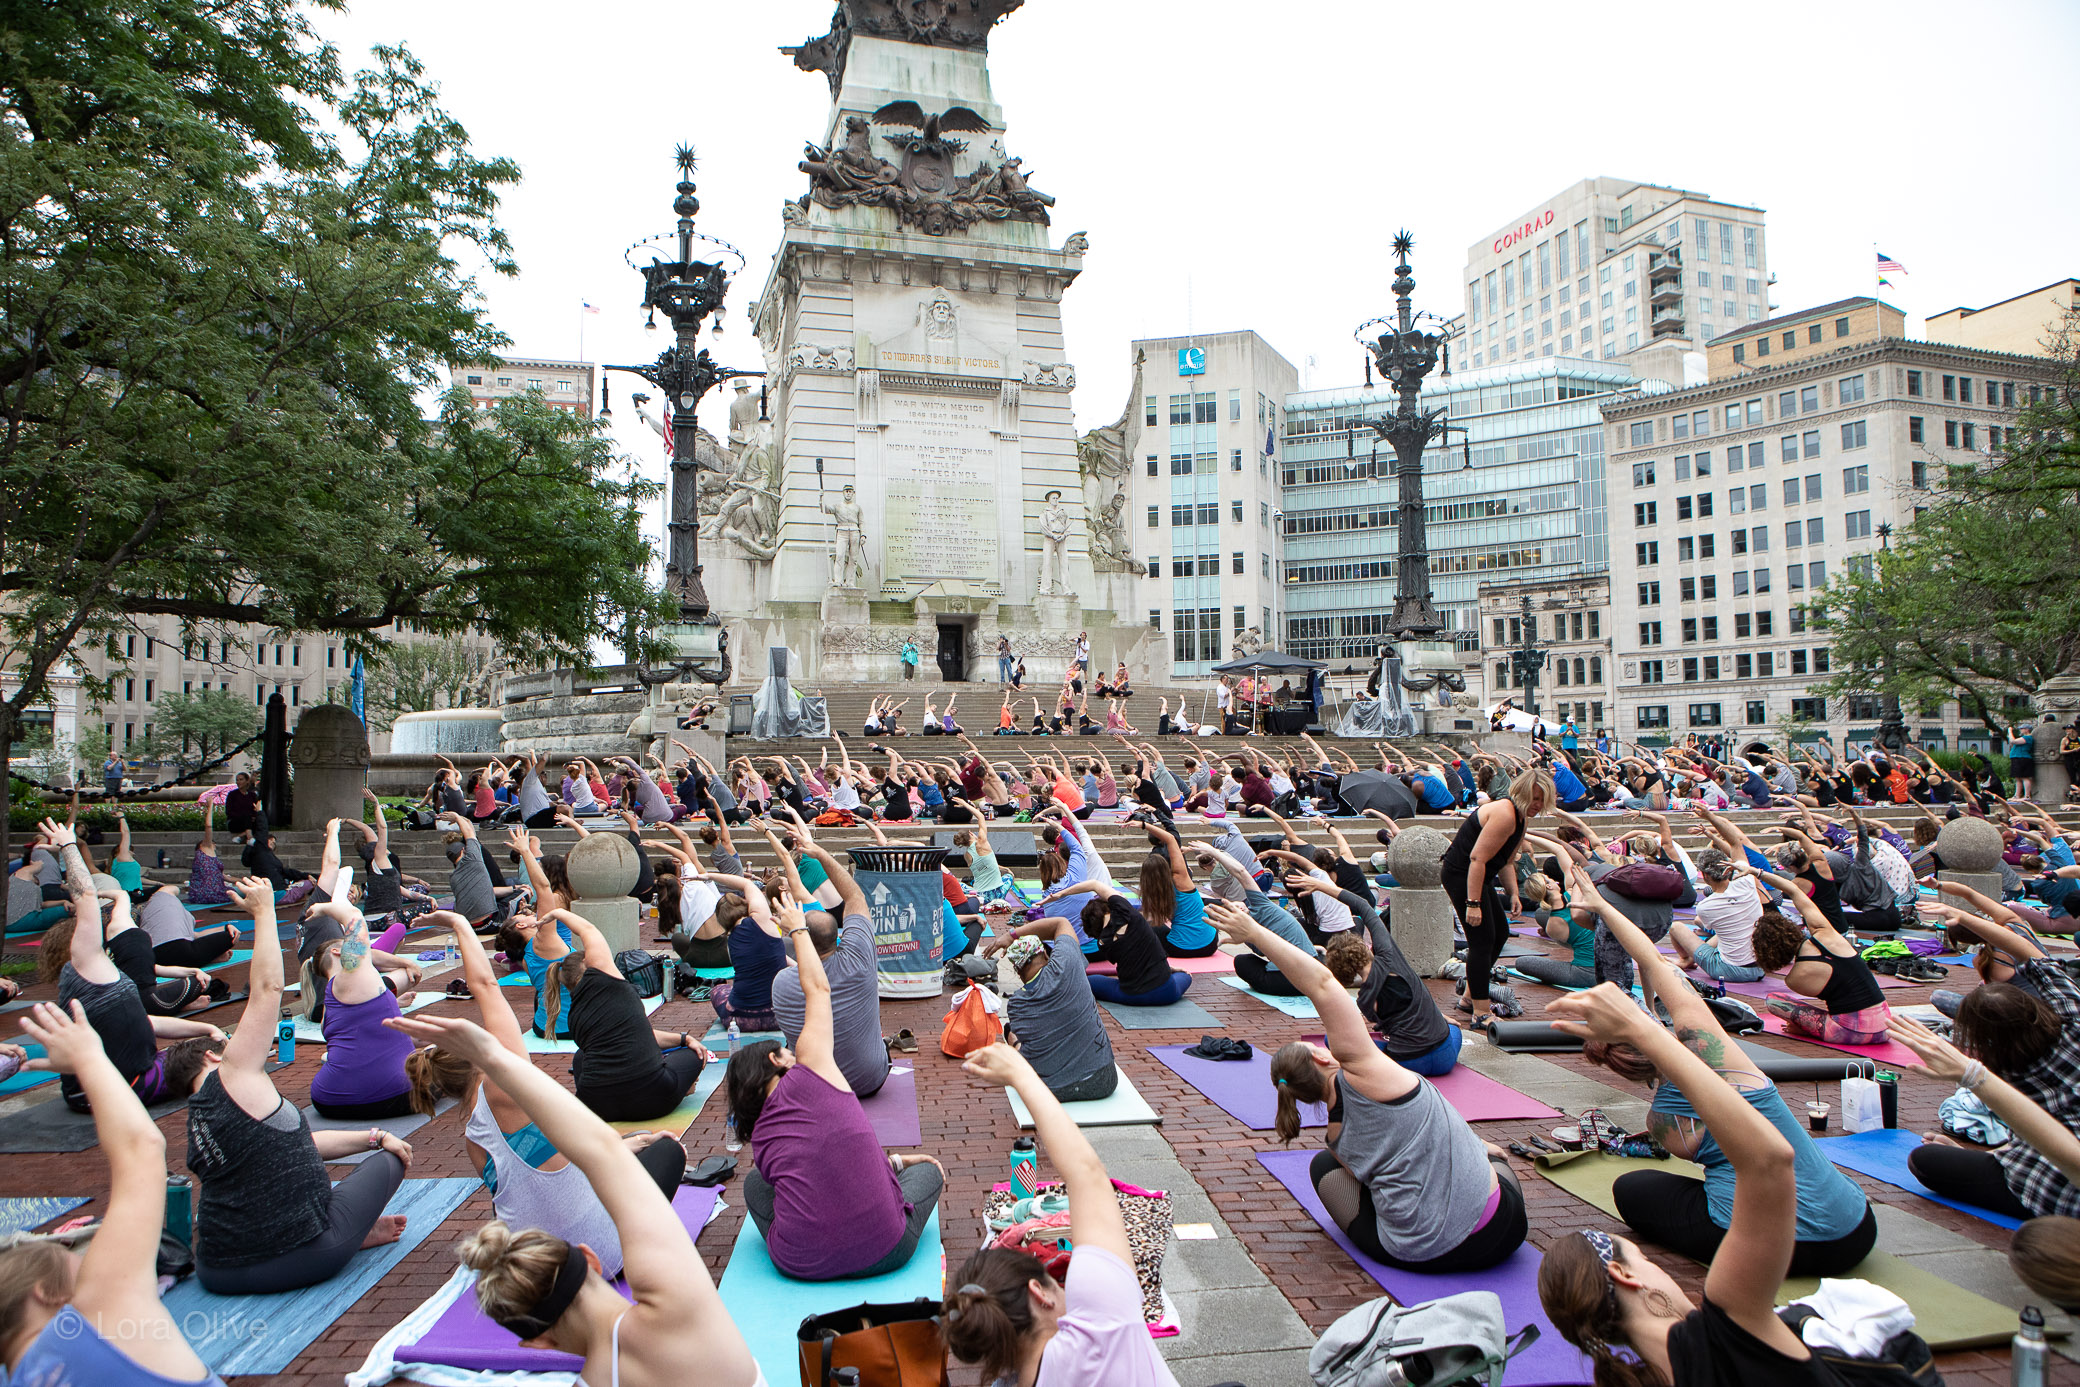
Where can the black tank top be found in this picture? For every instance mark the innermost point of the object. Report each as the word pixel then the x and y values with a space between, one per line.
pixel 1850 986
pixel 1827 894
pixel 1459 856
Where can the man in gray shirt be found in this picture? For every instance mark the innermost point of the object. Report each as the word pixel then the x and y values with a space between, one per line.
pixel 1053 1018
pixel 1222 883
pixel 468 878
pixel 849 960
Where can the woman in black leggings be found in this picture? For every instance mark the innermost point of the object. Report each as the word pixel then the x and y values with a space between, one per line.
pixel 1480 865
pixel 624 1070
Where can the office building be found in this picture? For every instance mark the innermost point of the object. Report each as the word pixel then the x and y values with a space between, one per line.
pixel 564 384
pixel 2021 325
pixel 1205 495
pixel 1737 501
pixel 1568 620
pixel 1522 498
pixel 1615 270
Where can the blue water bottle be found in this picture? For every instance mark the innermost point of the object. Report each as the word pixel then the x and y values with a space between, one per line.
pixel 285 1041
pixel 1025 1164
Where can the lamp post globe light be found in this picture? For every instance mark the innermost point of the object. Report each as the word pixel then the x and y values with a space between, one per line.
pixel 687 292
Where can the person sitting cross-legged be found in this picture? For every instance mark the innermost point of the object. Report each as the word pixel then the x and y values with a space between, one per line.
pixel 1124 938
pixel 850 965
pixel 1053 1019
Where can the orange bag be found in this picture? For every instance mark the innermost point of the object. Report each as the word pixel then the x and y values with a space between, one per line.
pixel 971 1025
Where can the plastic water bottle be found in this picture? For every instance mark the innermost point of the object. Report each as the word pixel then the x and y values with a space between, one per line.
pixel 731 1140
pixel 2026 1364
pixel 1025 1163
pixel 736 1039
pixel 285 1041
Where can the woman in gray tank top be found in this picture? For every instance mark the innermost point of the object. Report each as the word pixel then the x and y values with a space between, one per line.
pixel 1403 1176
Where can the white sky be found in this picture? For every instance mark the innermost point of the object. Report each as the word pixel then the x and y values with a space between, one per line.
pixel 1241 165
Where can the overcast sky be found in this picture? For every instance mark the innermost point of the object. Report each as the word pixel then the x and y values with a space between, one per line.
pixel 1241 165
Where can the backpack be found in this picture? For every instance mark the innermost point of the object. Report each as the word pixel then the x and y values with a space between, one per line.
pixel 1905 1361
pixel 972 1024
pixel 644 971
pixel 1645 881
pixel 1459 1338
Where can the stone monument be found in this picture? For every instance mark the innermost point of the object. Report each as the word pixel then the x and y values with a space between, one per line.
pixel 914 471
pixel 1971 853
pixel 603 870
pixel 330 756
pixel 1424 922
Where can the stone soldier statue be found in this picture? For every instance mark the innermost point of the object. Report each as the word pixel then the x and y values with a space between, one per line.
pixel 1054 547
pixel 849 558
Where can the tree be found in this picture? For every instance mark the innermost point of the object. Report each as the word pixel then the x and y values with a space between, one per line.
pixel 1975 600
pixel 219 319
pixel 418 677
pixel 192 728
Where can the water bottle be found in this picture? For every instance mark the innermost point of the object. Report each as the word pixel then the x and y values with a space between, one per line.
pixel 731 1140
pixel 180 1209
pixel 285 1041
pixel 2026 1363
pixel 736 1039
pixel 1025 1163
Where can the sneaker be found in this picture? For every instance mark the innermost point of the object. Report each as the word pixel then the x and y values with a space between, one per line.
pixel 1922 970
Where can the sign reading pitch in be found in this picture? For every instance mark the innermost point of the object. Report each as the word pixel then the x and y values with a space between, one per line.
pixel 907 930
pixel 939 464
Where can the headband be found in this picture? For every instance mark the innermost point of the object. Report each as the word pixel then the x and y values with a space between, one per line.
pixel 570 1279
pixel 1606 1248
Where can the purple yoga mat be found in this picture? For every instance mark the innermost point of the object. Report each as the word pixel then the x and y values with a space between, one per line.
pixel 1551 1362
pixel 463 1338
pixel 893 1109
pixel 1240 1088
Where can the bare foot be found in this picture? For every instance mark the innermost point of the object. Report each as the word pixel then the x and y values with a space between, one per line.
pixel 388 1229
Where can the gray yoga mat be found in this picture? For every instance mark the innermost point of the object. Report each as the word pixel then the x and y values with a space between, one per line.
pixel 396 1126
pixel 54 1127
pixel 1182 1015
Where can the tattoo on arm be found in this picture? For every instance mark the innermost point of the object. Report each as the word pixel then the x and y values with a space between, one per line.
pixel 353 950
pixel 1709 1047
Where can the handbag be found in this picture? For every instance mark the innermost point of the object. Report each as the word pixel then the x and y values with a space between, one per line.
pixel 972 1024
pixel 1459 1338
pixel 1644 881
pixel 889 1345
pixel 1049 1239
pixel 643 969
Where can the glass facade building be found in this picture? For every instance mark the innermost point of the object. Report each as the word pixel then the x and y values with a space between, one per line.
pixel 1531 507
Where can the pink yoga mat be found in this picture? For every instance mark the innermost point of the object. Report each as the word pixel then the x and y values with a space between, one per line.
pixel 1478 1097
pixel 1884 1052
pixel 1762 987
pixel 463 1338
pixel 1551 1362
pixel 893 1109
pixel 1215 963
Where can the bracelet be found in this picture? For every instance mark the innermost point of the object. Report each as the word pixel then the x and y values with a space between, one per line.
pixel 375 1138
pixel 1973 1076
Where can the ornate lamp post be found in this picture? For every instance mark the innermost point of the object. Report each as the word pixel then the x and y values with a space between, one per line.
pixel 686 291
pixel 1405 355
pixel 1892 727
pixel 1529 659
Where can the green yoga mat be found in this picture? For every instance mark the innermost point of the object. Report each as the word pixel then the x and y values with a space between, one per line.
pixel 309 1032
pixel 537 1045
pixel 1123 1108
pixel 1946 1315
pixel 768 1308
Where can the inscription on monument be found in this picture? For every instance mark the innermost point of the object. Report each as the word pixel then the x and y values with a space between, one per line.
pixel 939 467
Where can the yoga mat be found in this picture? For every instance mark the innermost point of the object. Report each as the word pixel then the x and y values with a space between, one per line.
pixel 1527 1037
pixel 25 1079
pixel 237 957
pixel 464 1338
pixel 680 1118
pixel 266 1333
pixel 20 1213
pixel 1477 1097
pixel 1125 1108
pixel 1781 1068
pixel 396 1126
pixel 1882 1155
pixel 1213 963
pixel 541 1045
pixel 768 1307
pixel 311 1032
pixel 1240 1088
pixel 1551 1362
pixel 1301 1007
pixel 1886 1052
pixel 893 1109
pixel 51 1126
pixel 1589 1175
pixel 1181 1015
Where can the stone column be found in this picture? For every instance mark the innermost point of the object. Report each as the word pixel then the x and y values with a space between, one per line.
pixel 1424 922
pixel 603 870
pixel 1971 853
pixel 330 754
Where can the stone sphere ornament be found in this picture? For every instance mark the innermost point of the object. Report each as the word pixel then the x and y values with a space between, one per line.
pixel 1969 845
pixel 1417 858
pixel 602 867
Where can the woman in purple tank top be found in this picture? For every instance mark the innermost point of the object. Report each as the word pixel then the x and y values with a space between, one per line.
pixel 363 1075
pixel 829 1202
pixel 98 1318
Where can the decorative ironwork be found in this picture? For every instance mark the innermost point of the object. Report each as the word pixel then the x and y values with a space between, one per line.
pixel 938 23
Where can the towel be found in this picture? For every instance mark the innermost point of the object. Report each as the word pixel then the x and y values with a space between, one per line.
pixel 1854 1317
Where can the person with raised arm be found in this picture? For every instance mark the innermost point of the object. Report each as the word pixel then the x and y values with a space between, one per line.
pixel 1604 1294
pixel 553 1293
pixel 1833 997
pixel 1402 1175
pixel 2030 1038
pixel 1835 1225
pixel 851 970
pixel 1170 898
pixel 625 1070
pixel 1479 868
pixel 756 953
pixel 97 1317
pixel 830 1204
pixel 1005 1313
pixel 268 1217
pixel 363 1071
pixel 1053 1018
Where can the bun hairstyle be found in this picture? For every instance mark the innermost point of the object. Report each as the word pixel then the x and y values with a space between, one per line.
pixel 988 1318
pixel 1621 1059
pixel 1714 865
pixel 1574 1287
pixel 515 1271
pixel 435 1074
pixel 1299 1080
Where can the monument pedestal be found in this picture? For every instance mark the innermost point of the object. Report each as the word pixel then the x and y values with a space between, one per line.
pixel 330 754
pixel 603 870
pixel 1423 921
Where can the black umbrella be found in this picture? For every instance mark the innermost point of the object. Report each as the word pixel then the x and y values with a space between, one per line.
pixel 1363 790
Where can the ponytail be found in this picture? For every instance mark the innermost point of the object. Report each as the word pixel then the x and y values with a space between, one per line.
pixel 1574 1287
pixel 990 1316
pixel 563 974
pixel 1298 1080
pixel 435 1074
pixel 310 994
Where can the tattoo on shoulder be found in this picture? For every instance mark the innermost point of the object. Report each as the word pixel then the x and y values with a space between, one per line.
pixel 353 951
pixel 1709 1046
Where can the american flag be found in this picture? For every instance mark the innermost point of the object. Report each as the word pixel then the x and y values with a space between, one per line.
pixel 1886 262
pixel 591 308
pixel 666 415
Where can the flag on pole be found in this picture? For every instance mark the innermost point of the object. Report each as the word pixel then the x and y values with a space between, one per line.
pixel 666 415
pixel 359 701
pixel 590 308
pixel 1884 283
pixel 1886 262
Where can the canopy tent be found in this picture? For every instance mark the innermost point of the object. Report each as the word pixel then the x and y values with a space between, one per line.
pixel 1276 662
pixel 1268 662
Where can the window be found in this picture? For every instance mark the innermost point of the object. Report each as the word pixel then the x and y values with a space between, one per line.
pixel 1760 539
pixel 1755 458
pixel 1758 497
pixel 1235 459
pixel 1849 390
pixel 1761 343
pixel 1704 505
pixel 1740 583
pixel 1689 587
pixel 1787 403
pixel 1595 623
pixel 1798 662
pixel 1787 448
pixel 1794 534
pixel 1235 511
pixel 1744 666
pixel 1855 434
pixel 1711 628
pixel 1914 383
pixel 1841 327
pixel 1682 507
pixel 1915 433
pixel 1704 715
pixel 1733 417
pixel 1812 442
pixel 1679 427
pixel 1736 501
pixel 1740 626
pixel 1155 566
pixel 1643 474
pixel 1856 480
pixel 1856 525
pixel 1754 413
pixel 1964 389
pixel 1267 572
pixel 1645 513
pixel 1155 517
pixel 1704 464
pixel 1816 530
pixel 1708 587
pixel 1650 633
pixel 1647 554
pixel 1690 670
pixel 1758 713
pixel 1950 388
pixel 1967 429
pixel 1236 560
pixel 1950 433
pixel 1740 352
pixel 1683 467
pixel 1649 595
pixel 1656 716
pixel 1643 434
pixel 1686 549
pixel 1576 622
pixel 1154 464
pixel 1790 338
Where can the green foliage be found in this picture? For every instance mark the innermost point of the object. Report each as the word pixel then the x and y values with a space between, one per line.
pixel 195 727
pixel 1976 600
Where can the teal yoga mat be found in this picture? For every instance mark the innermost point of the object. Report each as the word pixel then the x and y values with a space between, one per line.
pixel 309 1032
pixel 1302 1007
pixel 265 1333
pixel 237 957
pixel 26 1079
pixel 768 1307
pixel 21 1213
pixel 537 1045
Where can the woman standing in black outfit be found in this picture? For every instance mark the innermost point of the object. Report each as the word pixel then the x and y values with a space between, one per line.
pixel 1480 865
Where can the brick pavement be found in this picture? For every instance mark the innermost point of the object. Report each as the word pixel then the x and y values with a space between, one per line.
pixel 970 1129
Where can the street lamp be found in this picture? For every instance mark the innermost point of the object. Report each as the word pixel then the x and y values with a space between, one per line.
pixel 1528 659
pixel 686 291
pixel 1405 354
pixel 1892 727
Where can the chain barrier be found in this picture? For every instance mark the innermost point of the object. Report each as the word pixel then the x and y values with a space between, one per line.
pixel 205 768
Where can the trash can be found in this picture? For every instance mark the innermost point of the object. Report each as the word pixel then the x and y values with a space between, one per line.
pixel 905 898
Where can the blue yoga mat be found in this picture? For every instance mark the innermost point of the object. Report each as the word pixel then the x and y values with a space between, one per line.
pixel 25 1079
pixel 1302 1007
pixel 21 1213
pixel 768 1307
pixel 265 1333
pixel 237 957
pixel 1882 1155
